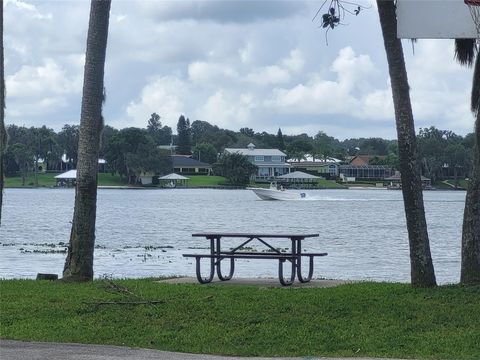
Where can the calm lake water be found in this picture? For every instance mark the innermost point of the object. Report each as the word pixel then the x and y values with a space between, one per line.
pixel 144 232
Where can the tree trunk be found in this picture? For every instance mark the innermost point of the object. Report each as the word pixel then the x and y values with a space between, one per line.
pixel 79 261
pixel 3 131
pixel 422 272
pixel 35 171
pixel 455 176
pixel 470 267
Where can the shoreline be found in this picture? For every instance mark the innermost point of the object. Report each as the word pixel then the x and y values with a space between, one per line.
pixel 114 187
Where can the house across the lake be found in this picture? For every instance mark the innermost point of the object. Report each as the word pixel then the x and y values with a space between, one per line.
pixel 270 162
pixel 184 164
pixel 325 169
pixel 359 168
pixel 395 181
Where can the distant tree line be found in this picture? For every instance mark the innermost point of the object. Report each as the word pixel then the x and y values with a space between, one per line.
pixel 130 151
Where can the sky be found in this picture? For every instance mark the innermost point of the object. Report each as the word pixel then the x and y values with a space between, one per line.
pixel 264 65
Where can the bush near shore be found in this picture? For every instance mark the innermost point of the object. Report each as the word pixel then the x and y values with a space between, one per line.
pixel 363 319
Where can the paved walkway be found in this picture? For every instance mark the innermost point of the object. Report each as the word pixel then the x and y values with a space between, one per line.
pixel 18 350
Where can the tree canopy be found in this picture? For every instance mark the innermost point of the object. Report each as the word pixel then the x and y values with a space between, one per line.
pixel 235 168
pixel 184 136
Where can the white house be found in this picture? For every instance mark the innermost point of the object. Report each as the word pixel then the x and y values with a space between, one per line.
pixel 270 162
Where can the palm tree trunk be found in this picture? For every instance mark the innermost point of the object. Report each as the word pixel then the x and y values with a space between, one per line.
pixel 422 271
pixel 470 267
pixel 79 261
pixel 3 131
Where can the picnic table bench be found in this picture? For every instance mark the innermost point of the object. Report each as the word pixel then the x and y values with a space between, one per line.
pixel 294 255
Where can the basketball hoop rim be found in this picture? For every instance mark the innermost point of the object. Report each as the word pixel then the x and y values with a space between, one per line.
pixel 472 2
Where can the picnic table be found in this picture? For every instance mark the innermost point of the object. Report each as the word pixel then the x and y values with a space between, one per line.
pixel 293 255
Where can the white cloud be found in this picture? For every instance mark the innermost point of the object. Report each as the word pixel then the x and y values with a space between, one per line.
pixel 36 81
pixel 439 92
pixel 225 11
pixel 320 96
pixel 295 61
pixel 28 9
pixel 269 75
pixel 353 72
pixel 39 90
pixel 165 96
pixel 377 105
pixel 230 63
pixel 228 110
pixel 36 107
pixel 210 72
pixel 246 52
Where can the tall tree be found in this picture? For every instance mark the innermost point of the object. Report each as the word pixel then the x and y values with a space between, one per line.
pixel 470 267
pixel 107 133
pixel 154 127
pixel 324 146
pixel 235 168
pixel 205 152
pixel 422 271
pixel 3 131
pixel 131 151
pixel 184 142
pixel 162 135
pixel 68 141
pixel 299 148
pixel 247 132
pixel 24 158
pixel 43 143
pixel 431 145
pixel 280 140
pixel 465 51
pixel 374 146
pixel 79 261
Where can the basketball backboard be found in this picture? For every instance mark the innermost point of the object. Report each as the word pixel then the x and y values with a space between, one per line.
pixel 435 19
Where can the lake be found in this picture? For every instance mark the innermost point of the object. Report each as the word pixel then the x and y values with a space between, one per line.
pixel 144 232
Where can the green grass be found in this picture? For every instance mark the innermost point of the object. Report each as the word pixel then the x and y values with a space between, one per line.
pixel 205 180
pixel 48 180
pixel 365 319
pixel 107 179
pixel 330 184
pixel 44 180
pixel 462 184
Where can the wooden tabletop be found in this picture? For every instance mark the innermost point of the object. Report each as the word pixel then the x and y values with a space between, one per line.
pixel 253 235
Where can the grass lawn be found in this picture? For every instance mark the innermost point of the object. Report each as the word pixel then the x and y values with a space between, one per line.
pixel 365 319
pixel 48 180
pixel 44 180
pixel 462 184
pixel 330 184
pixel 205 180
pixel 107 179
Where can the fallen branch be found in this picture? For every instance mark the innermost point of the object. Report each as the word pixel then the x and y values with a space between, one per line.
pixel 153 302
pixel 110 285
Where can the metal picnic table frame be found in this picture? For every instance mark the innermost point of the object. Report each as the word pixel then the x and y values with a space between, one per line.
pixel 216 255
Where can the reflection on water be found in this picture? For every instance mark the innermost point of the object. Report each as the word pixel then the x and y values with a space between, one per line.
pixel 144 232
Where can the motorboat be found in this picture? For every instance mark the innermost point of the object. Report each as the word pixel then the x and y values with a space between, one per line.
pixel 275 193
